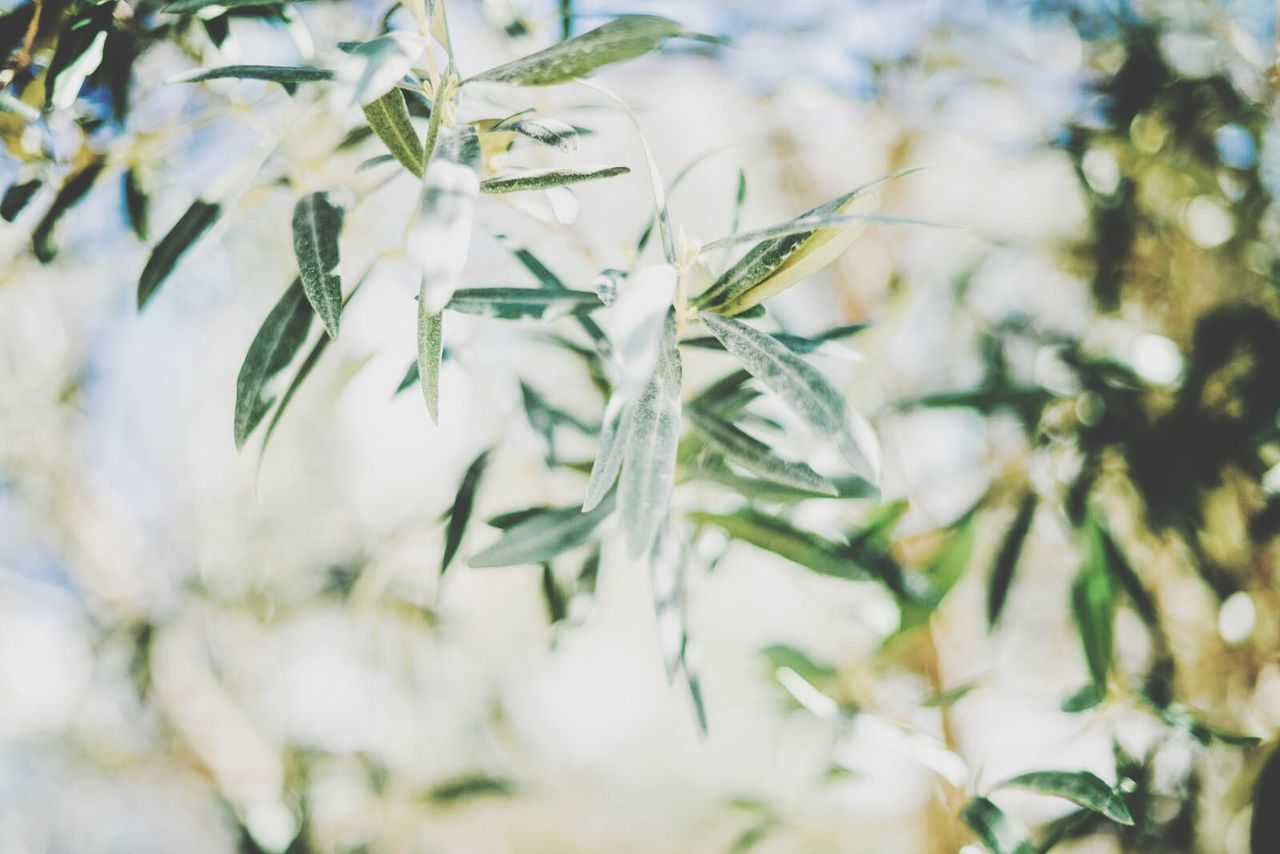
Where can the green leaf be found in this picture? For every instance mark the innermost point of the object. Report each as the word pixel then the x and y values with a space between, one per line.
pixel 1094 609
pixel 778 536
pixel 286 75
pixel 186 231
pixel 803 388
pixel 317 222
pixel 550 280
pixel 755 455
pixel 759 489
pixel 994 829
pixel 278 340
pixel 1007 558
pixel 541 179
pixel 464 788
pixel 784 655
pixel 511 303
pixel 547 131
pixel 553 596
pixel 649 471
pixel 78 54
pixel 460 512
pixel 776 264
pixel 388 116
pixel 183 7
pixel 623 38
pixel 69 195
pixel 430 350
pixel 137 204
pixel 1264 830
pixel 543 535
pixel 614 430
pixel 1086 698
pixel 1123 572
pixel 17 197
pixel 1080 787
pixel 802 344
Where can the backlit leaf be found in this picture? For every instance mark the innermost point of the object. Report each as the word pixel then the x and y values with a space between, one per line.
pixel 510 303
pixel 622 38
pixel 441 233
pixel 755 455
pixel 1093 606
pixel 430 350
pixel 648 472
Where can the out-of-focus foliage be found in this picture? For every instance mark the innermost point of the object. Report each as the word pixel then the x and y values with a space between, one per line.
pixel 1118 371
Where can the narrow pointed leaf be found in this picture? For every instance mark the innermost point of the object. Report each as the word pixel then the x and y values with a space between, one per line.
pixel 803 344
pixel 13 106
pixel 622 38
pixel 78 54
pixel 994 829
pixel 776 264
pixel 198 219
pixel 182 7
pixel 73 190
pixel 803 388
pixel 552 132
pixel 286 75
pixel 16 198
pixel 613 445
pixel 648 474
pixel 510 303
pixel 666 575
pixel 317 223
pixel 278 340
pixel 430 350
pixel 1093 606
pixel 137 204
pixel 778 536
pixel 388 116
pixel 755 455
pixel 1081 787
pixel 1007 558
pixel 541 179
pixel 463 504
pixel 542 536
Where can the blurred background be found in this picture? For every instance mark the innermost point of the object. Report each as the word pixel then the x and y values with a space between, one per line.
pixel 208 650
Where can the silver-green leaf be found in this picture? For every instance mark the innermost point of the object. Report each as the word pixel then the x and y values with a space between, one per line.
pixel 287 75
pixel 995 830
pixel 317 222
pixel 623 38
pixel 803 388
pixel 756 456
pixel 510 303
pixel 388 116
pixel 649 470
pixel 541 179
pixel 547 131
pixel 542 535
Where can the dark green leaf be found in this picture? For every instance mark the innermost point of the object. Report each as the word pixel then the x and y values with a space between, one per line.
pixel 1080 787
pixel 78 53
pixel 541 179
pixel 17 197
pixel 778 536
pixel 185 232
pixel 69 195
pixel 388 116
pixel 622 38
pixel 511 303
pixel 994 829
pixel 1264 830
pixel 460 512
pixel 557 608
pixel 1094 609
pixel 278 340
pixel 317 223
pixel 544 130
pixel 795 343
pixel 137 204
pixel 1086 698
pixel 1007 558
pixel 182 7
pixel 287 75
pixel 464 788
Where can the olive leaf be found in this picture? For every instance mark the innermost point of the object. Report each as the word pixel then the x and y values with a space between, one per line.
pixel 755 455
pixel 198 219
pixel 1007 558
pixel 388 116
pixel 317 222
pixel 541 179
pixel 286 75
pixel 510 303
pixel 277 342
pixel 777 263
pixel 78 53
pixel 460 511
pixel 72 191
pixel 547 131
pixel 649 469
pixel 803 388
pixel 623 38
pixel 995 829
pixel 543 534
pixel 1081 787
